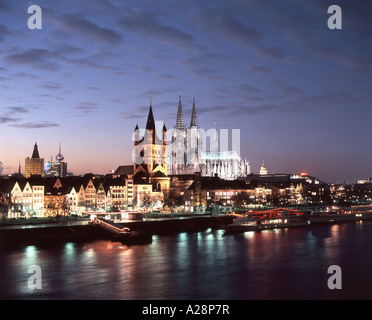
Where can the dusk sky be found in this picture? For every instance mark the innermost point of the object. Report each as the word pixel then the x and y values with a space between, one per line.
pixel 299 92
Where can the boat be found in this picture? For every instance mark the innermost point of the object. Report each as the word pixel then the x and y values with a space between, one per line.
pixel 267 220
pixel 340 215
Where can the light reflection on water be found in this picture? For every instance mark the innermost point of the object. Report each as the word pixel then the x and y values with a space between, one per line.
pixel 277 264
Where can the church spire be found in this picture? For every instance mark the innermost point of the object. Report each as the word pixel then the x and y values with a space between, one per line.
pixel 35 153
pixel 180 124
pixel 194 118
pixel 150 125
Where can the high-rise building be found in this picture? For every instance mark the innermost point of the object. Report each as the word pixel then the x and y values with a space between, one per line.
pixel 34 166
pixel 56 169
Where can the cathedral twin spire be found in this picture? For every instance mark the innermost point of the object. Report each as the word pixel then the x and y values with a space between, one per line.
pixel 194 118
pixel 180 122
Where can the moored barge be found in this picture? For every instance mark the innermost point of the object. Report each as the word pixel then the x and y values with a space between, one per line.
pixel 266 220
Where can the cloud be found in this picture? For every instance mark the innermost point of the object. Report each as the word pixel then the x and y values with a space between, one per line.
pixel 3 5
pixel 271 53
pixel 167 76
pixel 207 65
pixel 36 58
pixel 18 110
pixel 87 108
pixel 90 88
pixel 35 125
pixel 5 119
pixel 145 24
pixel 227 26
pixel 51 86
pixel 135 113
pixel 261 70
pixel 87 29
pixel 4 30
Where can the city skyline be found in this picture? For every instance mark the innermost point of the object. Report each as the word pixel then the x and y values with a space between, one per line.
pixel 298 91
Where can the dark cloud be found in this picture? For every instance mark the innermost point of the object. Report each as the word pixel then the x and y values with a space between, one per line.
pixel 87 108
pixel 36 58
pixel 227 26
pixel 35 125
pixel 130 115
pixel 87 29
pixel 24 75
pixel 166 76
pixel 271 53
pixel 160 56
pixel 90 88
pixel 153 92
pixel 207 65
pixel 4 6
pixel 51 86
pixel 4 31
pixel 87 62
pixel 5 119
pixel 18 110
pixel 289 89
pixel 261 70
pixel 144 23
pixel 144 68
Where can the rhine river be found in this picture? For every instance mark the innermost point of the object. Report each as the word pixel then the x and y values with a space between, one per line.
pixel 276 264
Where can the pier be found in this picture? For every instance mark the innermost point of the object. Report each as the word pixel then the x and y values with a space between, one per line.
pixel 113 227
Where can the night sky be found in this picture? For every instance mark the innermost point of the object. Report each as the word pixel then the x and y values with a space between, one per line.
pixel 299 92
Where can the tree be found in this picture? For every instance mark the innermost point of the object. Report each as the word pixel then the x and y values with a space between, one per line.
pixel 174 198
pixel 241 198
pixel 4 206
pixel 56 206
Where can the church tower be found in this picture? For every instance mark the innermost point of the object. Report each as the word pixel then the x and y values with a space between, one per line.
pixel 194 143
pixel 150 154
pixel 35 164
pixel 178 156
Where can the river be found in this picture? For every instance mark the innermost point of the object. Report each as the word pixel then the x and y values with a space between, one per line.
pixel 274 264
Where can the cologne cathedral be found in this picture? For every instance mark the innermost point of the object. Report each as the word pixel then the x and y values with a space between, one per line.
pixel 188 152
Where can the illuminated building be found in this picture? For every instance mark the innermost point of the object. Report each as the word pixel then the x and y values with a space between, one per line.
pixel 186 145
pixel 56 169
pixel 34 165
pixel 189 155
pixel 26 197
pixel 150 155
pixel 263 169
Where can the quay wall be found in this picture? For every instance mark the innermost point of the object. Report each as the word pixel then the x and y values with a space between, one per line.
pixel 43 234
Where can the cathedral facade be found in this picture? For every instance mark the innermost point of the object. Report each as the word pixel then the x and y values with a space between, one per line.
pixel 189 154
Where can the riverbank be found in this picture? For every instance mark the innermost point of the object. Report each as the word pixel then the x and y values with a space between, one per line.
pixel 69 231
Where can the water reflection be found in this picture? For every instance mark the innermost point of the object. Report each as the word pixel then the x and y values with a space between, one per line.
pixel 273 264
